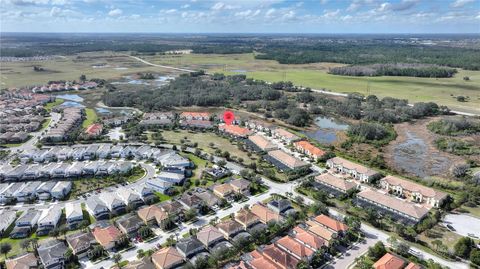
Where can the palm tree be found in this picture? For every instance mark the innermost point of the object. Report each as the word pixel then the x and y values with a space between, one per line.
pixel 117 258
pixel 5 248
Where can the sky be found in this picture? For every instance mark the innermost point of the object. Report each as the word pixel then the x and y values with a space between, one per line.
pixel 241 16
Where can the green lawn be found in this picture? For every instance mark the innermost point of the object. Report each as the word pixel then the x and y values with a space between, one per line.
pixel 162 197
pixel 203 140
pixel 91 117
pixel 45 123
pixel 475 211
pixel 51 105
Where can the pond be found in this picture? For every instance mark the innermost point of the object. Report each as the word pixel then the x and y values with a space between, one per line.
pixel 102 110
pixel 327 130
pixel 71 104
pixel 70 97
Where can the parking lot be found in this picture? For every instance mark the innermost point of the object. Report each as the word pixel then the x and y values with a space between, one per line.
pixel 463 224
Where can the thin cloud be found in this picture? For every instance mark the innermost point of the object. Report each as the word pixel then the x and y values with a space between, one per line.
pixel 461 3
pixel 115 12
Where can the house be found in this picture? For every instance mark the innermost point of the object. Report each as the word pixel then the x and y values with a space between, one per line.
pixel 229 228
pixel 7 194
pixel 356 171
pixel 412 191
pixel 308 149
pixel 174 178
pixel 308 239
pixel 27 193
pixel 265 214
pixel 281 206
pixel 246 218
pixel 171 158
pixel 195 116
pixel 240 185
pixel 234 130
pixel 143 263
pixel 131 198
pixel 129 224
pixel 113 202
pixel 75 170
pixel 172 207
pixel 29 218
pixel 389 261
pixel 208 197
pixel 284 161
pixel 61 189
pixel 44 190
pixel 107 236
pixel 259 143
pixel 294 248
pixel 167 258
pixel 78 153
pixel 200 124
pixel 145 192
pixel 331 224
pixel 94 130
pixel 190 200
pixel 285 135
pixel 81 243
pixel 223 190
pixel 209 236
pixel 320 230
pixel 33 172
pixel 52 254
pixel 60 170
pixel 96 208
pixel 398 209
pixel 258 125
pixel 152 215
pixel 216 172
pixel 7 219
pixel 159 185
pixel 189 247
pixel 73 213
pixel 24 261
pixel 49 220
pixel 276 256
pixel 90 152
pixel 334 185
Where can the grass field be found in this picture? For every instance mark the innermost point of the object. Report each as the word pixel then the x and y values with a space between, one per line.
pixel 203 140
pixel 91 117
pixel 316 76
pixel 51 105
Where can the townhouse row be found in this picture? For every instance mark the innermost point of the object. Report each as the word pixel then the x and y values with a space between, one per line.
pixel 30 191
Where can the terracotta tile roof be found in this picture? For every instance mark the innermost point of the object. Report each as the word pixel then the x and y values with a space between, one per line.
pixel 319 230
pixel 394 203
pixel 263 263
pixel 167 258
pixel 25 261
pixel 195 114
pixel 223 189
pixel 293 246
pixel 246 218
pixel 94 129
pixel 389 261
pixel 280 257
pixel 234 130
pixel 264 214
pixel 353 166
pixel 152 212
pixel 414 187
pixel 240 265
pixel 209 234
pixel 334 181
pixel 333 224
pixel 412 265
pixel 286 159
pixel 262 142
pixel 284 133
pixel 311 149
pixel 106 235
pixel 308 238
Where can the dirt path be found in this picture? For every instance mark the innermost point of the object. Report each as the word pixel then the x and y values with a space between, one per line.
pixel 414 151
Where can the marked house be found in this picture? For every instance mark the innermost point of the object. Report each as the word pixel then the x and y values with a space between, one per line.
pixel 335 185
pixel 401 210
pixel 234 130
pixel 355 170
pixel 260 143
pixel 310 150
pixel 284 161
pixel 412 191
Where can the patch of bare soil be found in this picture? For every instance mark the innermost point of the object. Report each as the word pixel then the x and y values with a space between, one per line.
pixel 414 152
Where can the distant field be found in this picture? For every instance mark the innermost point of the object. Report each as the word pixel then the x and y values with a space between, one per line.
pixel 18 74
pixel 315 76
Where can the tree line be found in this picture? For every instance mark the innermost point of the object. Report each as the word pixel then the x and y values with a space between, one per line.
pixel 409 70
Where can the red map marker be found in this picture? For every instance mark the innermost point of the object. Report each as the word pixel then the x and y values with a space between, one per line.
pixel 228 117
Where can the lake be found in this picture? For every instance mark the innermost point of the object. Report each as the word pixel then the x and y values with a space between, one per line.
pixel 327 130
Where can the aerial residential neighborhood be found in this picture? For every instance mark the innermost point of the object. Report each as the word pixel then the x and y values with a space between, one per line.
pixel 239 134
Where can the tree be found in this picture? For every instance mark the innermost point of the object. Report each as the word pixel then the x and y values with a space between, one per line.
pixel 5 248
pixel 436 244
pixel 25 244
pixel 302 265
pixel 402 248
pixel 475 256
pixel 377 250
pixel 117 257
pixel 83 78
pixel 461 98
pixel 463 247
pixel 144 232
pixel 68 255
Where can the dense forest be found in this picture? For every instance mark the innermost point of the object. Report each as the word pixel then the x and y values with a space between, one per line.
pixel 410 70
pixel 454 51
